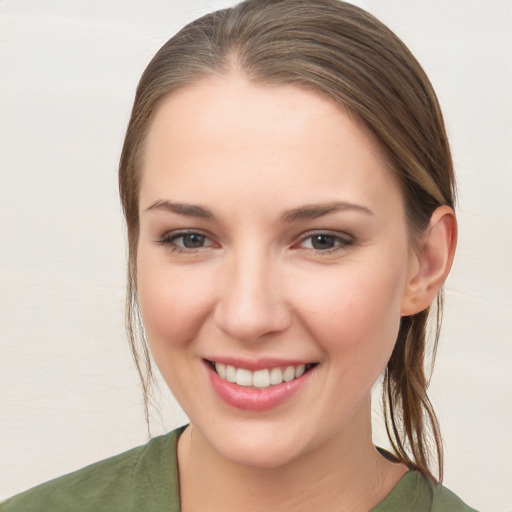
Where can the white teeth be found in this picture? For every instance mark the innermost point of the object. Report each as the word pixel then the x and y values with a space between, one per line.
pixel 276 376
pixel 230 373
pixel 289 374
pixel 243 377
pixel 221 369
pixel 260 378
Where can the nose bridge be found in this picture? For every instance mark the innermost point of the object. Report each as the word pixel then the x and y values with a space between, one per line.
pixel 252 303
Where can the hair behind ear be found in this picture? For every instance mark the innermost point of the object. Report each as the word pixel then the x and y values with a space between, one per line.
pixel 408 411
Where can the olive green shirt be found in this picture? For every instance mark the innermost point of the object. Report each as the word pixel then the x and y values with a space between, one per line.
pixel 146 479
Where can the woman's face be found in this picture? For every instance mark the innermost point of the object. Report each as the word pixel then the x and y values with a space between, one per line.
pixel 274 252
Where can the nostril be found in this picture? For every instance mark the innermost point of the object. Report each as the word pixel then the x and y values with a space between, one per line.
pixel 250 319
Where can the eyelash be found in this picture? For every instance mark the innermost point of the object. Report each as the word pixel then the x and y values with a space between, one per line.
pixel 169 240
pixel 341 242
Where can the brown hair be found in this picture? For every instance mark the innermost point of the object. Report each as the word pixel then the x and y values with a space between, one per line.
pixel 343 52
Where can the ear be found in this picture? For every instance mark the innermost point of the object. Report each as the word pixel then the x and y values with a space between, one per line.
pixel 430 262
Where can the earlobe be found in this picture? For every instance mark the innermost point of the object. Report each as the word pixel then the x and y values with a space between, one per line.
pixel 432 262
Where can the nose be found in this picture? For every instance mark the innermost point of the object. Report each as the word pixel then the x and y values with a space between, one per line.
pixel 252 302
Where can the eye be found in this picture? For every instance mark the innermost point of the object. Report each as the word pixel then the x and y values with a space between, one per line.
pixel 190 241
pixel 185 241
pixel 325 242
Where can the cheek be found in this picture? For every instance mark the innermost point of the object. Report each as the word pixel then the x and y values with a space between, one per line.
pixel 173 302
pixel 354 312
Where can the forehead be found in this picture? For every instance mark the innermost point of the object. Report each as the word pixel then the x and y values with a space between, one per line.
pixel 225 132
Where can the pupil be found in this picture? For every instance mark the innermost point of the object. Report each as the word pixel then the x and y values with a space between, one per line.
pixel 193 241
pixel 323 242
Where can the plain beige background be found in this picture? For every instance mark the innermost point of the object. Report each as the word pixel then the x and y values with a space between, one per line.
pixel 68 71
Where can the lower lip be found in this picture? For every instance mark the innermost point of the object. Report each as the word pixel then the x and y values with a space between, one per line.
pixel 255 399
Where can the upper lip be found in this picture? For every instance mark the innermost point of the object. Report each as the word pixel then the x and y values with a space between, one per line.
pixel 260 363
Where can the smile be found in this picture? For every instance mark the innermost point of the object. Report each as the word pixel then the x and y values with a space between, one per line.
pixel 261 389
pixel 263 378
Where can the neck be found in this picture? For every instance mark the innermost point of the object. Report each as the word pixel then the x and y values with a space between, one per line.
pixel 345 473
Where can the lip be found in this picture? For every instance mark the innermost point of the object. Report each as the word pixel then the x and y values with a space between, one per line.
pixel 255 399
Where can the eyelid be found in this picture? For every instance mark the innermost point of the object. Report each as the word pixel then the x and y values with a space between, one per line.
pixel 345 239
pixel 342 240
pixel 168 240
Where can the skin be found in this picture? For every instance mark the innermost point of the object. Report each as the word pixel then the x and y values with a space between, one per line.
pixel 256 287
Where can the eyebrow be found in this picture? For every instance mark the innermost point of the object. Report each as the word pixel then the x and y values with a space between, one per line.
pixel 307 212
pixel 314 211
pixel 190 210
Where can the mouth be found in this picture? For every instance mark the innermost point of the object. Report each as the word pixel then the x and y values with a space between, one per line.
pixel 262 378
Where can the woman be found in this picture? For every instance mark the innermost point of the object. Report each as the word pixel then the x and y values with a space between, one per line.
pixel 288 190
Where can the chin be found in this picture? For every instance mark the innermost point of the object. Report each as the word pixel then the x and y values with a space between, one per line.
pixel 260 457
pixel 257 444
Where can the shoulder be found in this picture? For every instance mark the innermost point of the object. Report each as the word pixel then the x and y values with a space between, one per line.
pixel 445 500
pixel 121 482
pixel 416 493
